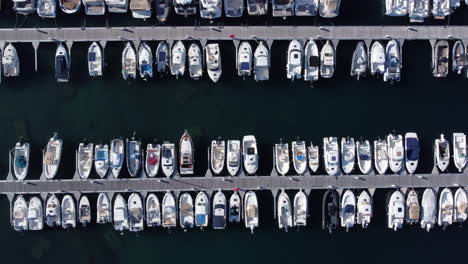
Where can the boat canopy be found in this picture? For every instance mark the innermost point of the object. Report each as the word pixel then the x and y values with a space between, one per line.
pixel 101 155
pixel 245 66
pixel 314 61
pixel 162 56
pixel 412 149
pixel 20 162
pixel 92 56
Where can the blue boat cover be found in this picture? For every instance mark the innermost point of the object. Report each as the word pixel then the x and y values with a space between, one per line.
pixel 245 66
pixel 364 157
pixel 201 219
pixel 20 162
pixel 92 56
pixel 412 149
pixel 300 157
pixel 162 56
pixel 146 68
pixel 101 155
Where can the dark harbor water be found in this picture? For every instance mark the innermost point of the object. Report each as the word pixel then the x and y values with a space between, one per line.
pixel 34 105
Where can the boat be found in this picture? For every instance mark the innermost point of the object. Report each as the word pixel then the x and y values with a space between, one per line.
pixel 24 7
pixel 396 210
pixel 94 7
pixel 348 154
pixel 306 7
pixel 213 61
pixel 364 209
pixel 294 60
pixel 62 64
pixel 331 156
pixel 364 156
pixel 136 213
pixel 52 155
pixel 442 153
pixel 145 61
pixel 211 9
pixel 116 156
pixel 185 7
pixel 52 211
pixel 257 7
pixel 217 156
pixel 284 211
pixel 440 58
pixel 428 209
pixel 233 8
pixel 377 59
pixel 459 151
pixel 235 205
pixel 446 210
pixel 418 10
pixel 162 57
pixel 46 8
pixel 186 160
pixel 413 208
pixel 141 9
pixel 251 215
pixel 95 60
pixel 440 8
pixel 153 158
pixel 311 61
pixel 84 159
pixel 202 210
pixel 133 156
pixel 250 154
pixel 396 152
pixel 101 159
pixel 282 8
pixel 20 214
pixel 396 7
pixel 359 62
pixel 117 6
pixel 168 159
pixel 459 58
pixel 392 62
pixel 35 214
pixel 103 209
pixel 219 210
pixel 299 156
pixel 10 61
pixel 244 58
pixel 70 6
pixel 68 212
pixel 163 9
pixel 21 160
pixel 186 211
pixel 153 211
pixel 381 156
pixel 411 152
pixel 300 209
pixel 169 211
pixel 460 213
pixel 261 62
pixel 313 157
pixel 84 210
pixel 120 214
pixel 327 60
pixel 282 158
pixel 195 58
pixel 129 62
pixel 330 209
pixel 233 157
pixel 178 59
pixel 329 8
pixel 348 210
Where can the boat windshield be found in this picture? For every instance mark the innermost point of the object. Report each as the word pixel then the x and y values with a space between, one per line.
pixel 250 151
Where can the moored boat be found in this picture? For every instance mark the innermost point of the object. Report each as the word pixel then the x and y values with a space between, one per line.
pixel 261 63
pixel 284 211
pixel 202 210
pixel 306 7
pixel 101 159
pixel 163 9
pixel 52 155
pixel 348 154
pixel 331 156
pixel 46 8
pixel 257 7
pixel 103 209
pixel 195 58
pixel 117 6
pixel 233 157
pixel 35 214
pixel 145 61
pixel 251 215
pixel 116 156
pixel 153 211
pixel 313 157
pixel 377 59
pixel 178 59
pixel 440 8
pixel 446 212
pixel 418 10
pixel 169 211
pixel 24 7
pixel 162 57
pixel 94 7
pixel 396 7
pixel 120 213
pixel 294 60
pixel 364 156
pixel 153 158
pixel 129 62
pixel 84 210
pixel 359 61
pixel 10 61
pixel 185 7
pixel 20 214
pixel 460 213
pixel 217 156
pixel 396 152
pixel 300 212
pixel 282 158
pixel 244 59
pixel 330 209
pixel 235 205
pixel 186 151
pixel 84 159
pixel 440 58
pixel 381 156
pixel 213 61
pixel 21 160
pixel 348 210
pixel 299 156
pixel 70 6
pixel 211 9
pixel 62 64
pixel 442 153
pixel 141 9
pixel 133 156
pixel 428 209
pixel 168 159
pixel 186 216
pixel 392 62
pixel 413 208
pixel 68 212
pixel 250 154
pixel 327 60
pixel 396 210
pixel 329 8
pixel 364 209
pixel 459 151
pixel 459 58
pixel 311 61
pixel 282 8
pixel 95 60
pixel 219 210
pixel 233 8
pixel 136 213
pixel 411 152
pixel 53 211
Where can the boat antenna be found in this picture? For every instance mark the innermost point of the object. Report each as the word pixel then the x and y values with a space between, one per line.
pixel 21 140
pixel 219 140
pixel 281 140
pixel 134 133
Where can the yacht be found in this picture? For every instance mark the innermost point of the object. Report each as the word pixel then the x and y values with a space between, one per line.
pixel 233 157
pixel 129 62
pixel 103 209
pixel 186 216
pixel 70 6
pixel 446 210
pixel 364 209
pixel 20 214
pixel 396 152
pixel 284 211
pixel 24 7
pixel 141 9
pixel 145 61
pixel 233 8
pixel 68 212
pixel 168 159
pixel 440 58
pixel 163 8
pixel 418 10
pixel 84 210
pixel 250 154
pixel 46 8
pixel 213 61
pixel 381 156
pixel 178 59
pixel 169 211
pixel 133 156
pixel 459 151
pixel 95 60
pixel 35 214
pixel 460 213
pixel 84 160
pixel 116 156
pixel 52 211
pixel 120 214
pixel 294 60
pixel 412 207
pixel 195 57
pixel 359 62
pixel 440 8
pixel 235 205
pixel 306 7
pixel 219 211
pixel 411 152
pixel 282 8
pixel 10 61
pixel 329 8
pixel 153 158
pixel 392 62
pixel 186 154
pixel 153 211
pixel 101 159
pixel 217 156
pixel 364 156
pixel 327 60
pixel 117 6
pixel 257 7
pixel 136 213
pixel 62 64
pixel 330 208
pixel 348 154
pixel 331 156
pixel 442 153
pixel 51 158
pixel 282 158
pixel 313 157
pixel 185 7
pixel 311 61
pixel 377 59
pixel 299 156
pixel 251 216
pixel 396 210
pixel 348 210
pixel 21 160
pixel 94 7
pixel 244 59
pixel 300 209
pixel 396 7
pixel 428 209
pixel 202 210
pixel 211 9
pixel 162 57
pixel 261 63
pixel 459 58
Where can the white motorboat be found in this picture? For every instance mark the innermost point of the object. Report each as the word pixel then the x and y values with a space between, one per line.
pixel 46 8
pixel 313 157
pixel 10 61
pixel 257 7
pixel 186 215
pixel 68 212
pixel 364 156
pixel 284 211
pixel 53 211
pixel 396 152
pixel 35 214
pixel 300 209
pixel 459 58
pixel 331 156
pixel 235 208
pixel 282 158
pixel 396 210
pixel 103 209
pixel 116 156
pixel 21 160
pixel 186 150
pixel 442 153
pixel 185 7
pixel 261 62
pixel 136 213
pixel 327 60
pixel 101 159
pixel 84 210
pixel 294 60
pixel 282 8
pixel 440 8
pixel 84 159
pixel 217 156
pixel 329 8
pixel 396 7
pixel 70 6
pixel 145 61
pixel 364 209
pixel 213 61
pixel 168 159
pixel 446 210
pixel 348 210
pixel 244 59
pixel 299 156
pixel 162 57
pixel 133 156
pixel 153 211
pixel 461 204
pixel 219 210
pixel 62 64
pixel 211 9
pixel 20 214
pixel 95 60
pixel 381 156
pixel 153 158
pixel 120 214
pixel 52 155
pixel 348 155
pixel 117 6
pixel 392 61
pixel 141 9
pixel 411 152
pixel 233 8
pixel 428 209
pixel 233 157
pixel 413 208
pixel 459 151
pixel 24 7
pixel 440 59
pixel 202 210
pixel 169 211
pixel 250 154
pixel 94 7
pixel 377 59
pixel 359 62
pixel 163 9
pixel 129 62
pixel 311 61
pixel 178 59
pixel 251 216
pixel 418 10
pixel 195 58
pixel 306 7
